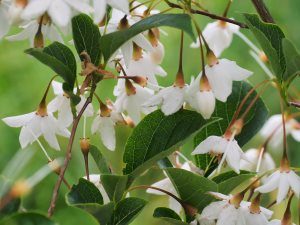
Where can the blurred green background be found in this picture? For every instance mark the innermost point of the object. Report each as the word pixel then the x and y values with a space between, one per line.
pixel 23 81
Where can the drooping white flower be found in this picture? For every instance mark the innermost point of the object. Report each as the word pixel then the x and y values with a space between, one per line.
pixel 203 101
pixel 36 124
pixel 158 53
pixel 5 21
pixel 277 222
pixel 60 11
pixel 218 36
pixel 167 185
pixel 216 145
pixel 120 21
pixel 225 212
pixel 104 123
pixel 256 215
pixel 30 30
pixel 130 100
pixel 221 75
pixel 256 162
pixel 146 68
pixel 273 127
pixel 101 5
pixel 61 104
pixel 171 99
pixel 15 10
pixel 282 180
pixel 96 180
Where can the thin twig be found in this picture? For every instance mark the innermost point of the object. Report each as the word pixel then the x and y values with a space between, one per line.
pixel 211 15
pixel 263 11
pixel 68 154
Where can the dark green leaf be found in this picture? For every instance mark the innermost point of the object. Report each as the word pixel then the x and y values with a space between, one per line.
pixel 12 207
pixel 100 160
pixel 157 136
pixel 126 210
pixel 84 192
pixel 27 219
pixel 114 186
pixel 59 58
pixel 192 188
pixel 86 37
pixel 252 124
pixel 166 212
pixel 110 43
pixel 270 38
pixel 292 59
pixel 228 181
pixel 102 213
pixel 164 163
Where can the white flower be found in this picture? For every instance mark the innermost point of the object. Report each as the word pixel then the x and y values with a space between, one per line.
pixel 167 185
pixel 15 9
pixel 60 11
pixel 276 222
pixel 253 156
pixel 61 104
pixel 230 149
pixel 170 98
pixel 127 48
pixel 223 211
pixel 5 21
pixel 221 75
pixel 104 123
pixel 101 5
pixel 203 101
pixel 257 217
pixel 283 180
pixel 37 124
pixel 218 36
pixel 95 179
pixel 132 103
pixel 274 127
pixel 146 68
pixel 30 30
pixel 158 53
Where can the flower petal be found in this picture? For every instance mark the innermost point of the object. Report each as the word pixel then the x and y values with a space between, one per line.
pixel 35 8
pixel 60 13
pixel 271 184
pixel 100 10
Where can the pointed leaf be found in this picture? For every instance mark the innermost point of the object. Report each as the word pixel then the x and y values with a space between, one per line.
pixel 110 43
pixel 12 207
pixel 126 211
pixel 270 38
pixel 59 58
pixel 168 215
pixel 292 57
pixel 157 136
pixel 84 192
pixel 86 37
pixel 192 188
pixel 114 186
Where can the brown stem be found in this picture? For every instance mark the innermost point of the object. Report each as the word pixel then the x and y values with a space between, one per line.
pixel 68 154
pixel 212 16
pixel 263 11
pixel 296 104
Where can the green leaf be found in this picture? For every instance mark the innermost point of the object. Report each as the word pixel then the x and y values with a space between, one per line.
pixel 192 188
pixel 100 160
pixel 102 213
pixel 27 219
pixel 168 215
pixel 126 211
pixel 228 181
pixel 270 38
pixel 59 58
pixel 157 136
pixel 252 124
pixel 166 212
pixel 86 37
pixel 292 57
pixel 164 163
pixel 110 43
pixel 84 192
pixel 12 207
pixel 114 186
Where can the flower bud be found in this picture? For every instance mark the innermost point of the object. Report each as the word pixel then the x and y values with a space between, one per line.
pixel 142 81
pixel 237 199
pixel 211 58
pixel 130 89
pixel 255 205
pixel 39 39
pixel 85 146
pixel 137 52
